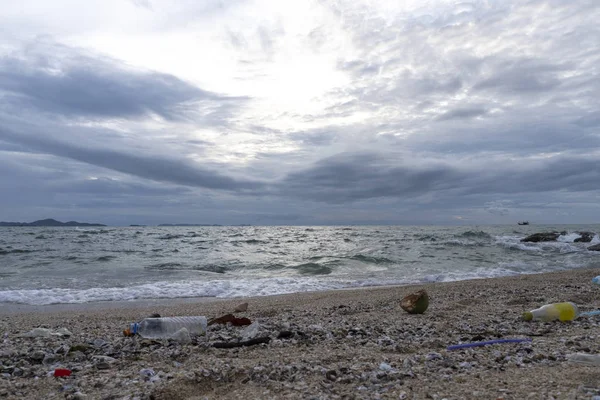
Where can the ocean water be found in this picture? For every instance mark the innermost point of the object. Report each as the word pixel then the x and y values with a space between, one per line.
pixel 77 265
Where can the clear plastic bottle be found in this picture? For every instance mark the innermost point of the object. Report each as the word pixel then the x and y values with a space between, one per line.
pixel 165 327
pixel 550 312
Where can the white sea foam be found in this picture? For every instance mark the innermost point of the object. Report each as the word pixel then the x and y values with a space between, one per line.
pixel 568 238
pixel 224 288
pixel 514 243
pixel 238 287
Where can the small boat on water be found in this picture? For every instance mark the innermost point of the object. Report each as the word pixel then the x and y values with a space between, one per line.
pixel 523 222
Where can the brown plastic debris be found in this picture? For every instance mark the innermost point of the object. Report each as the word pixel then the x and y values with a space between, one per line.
pixel 251 342
pixel 127 332
pixel 415 303
pixel 241 308
pixel 232 319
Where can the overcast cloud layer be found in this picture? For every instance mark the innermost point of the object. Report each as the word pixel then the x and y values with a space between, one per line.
pixel 307 112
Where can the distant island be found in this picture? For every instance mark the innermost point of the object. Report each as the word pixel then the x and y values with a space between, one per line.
pixel 48 222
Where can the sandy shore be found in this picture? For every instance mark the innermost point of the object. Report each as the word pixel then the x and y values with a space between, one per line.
pixel 339 344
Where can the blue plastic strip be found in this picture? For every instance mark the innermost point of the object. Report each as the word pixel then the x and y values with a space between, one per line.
pixel 479 344
pixel 590 313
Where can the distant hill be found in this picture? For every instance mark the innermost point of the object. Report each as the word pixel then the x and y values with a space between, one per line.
pixel 48 222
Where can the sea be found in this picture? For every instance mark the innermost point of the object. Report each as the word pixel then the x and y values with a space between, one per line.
pixel 65 265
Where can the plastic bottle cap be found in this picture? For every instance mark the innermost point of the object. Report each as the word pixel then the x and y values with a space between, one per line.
pixel 527 316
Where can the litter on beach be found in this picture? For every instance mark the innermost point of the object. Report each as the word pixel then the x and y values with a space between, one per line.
pixel 486 343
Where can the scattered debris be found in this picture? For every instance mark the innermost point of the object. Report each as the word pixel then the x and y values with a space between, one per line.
pixel 251 342
pixel 62 372
pixel 230 318
pixel 566 311
pixel 486 343
pixel 251 331
pixel 415 303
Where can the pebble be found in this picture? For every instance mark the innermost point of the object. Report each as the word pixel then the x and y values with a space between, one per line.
pixel 102 365
pixel 38 355
pixel 147 372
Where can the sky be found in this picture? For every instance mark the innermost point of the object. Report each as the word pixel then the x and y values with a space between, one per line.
pixel 273 112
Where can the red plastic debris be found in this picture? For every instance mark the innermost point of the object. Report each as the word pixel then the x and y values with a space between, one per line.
pixel 58 372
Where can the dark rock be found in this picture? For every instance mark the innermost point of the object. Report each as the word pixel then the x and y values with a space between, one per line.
pixel 8 369
pixel 82 347
pixel 331 375
pixel 102 365
pixel 285 335
pixel 37 355
pixel 542 237
pixel 586 237
pixel 149 342
pixel 251 342
pixel 595 247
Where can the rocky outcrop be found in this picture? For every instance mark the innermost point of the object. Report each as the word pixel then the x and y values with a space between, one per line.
pixel 586 237
pixel 542 237
pixel 595 247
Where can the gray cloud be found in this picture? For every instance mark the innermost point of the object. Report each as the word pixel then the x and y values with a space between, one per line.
pixel 351 177
pixel 157 168
pixel 65 81
pixel 463 113
pixel 523 75
pixel 114 187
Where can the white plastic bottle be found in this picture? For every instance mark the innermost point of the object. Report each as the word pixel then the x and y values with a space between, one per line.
pixel 550 312
pixel 165 327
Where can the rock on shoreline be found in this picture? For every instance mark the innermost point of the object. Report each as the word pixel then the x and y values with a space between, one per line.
pixel 585 237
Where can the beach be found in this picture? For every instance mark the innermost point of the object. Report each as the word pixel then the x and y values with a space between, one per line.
pixel 355 343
